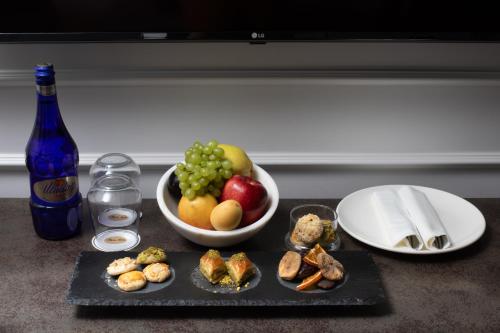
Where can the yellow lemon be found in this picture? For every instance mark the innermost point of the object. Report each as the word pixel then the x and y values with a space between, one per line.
pixel 197 212
pixel 242 165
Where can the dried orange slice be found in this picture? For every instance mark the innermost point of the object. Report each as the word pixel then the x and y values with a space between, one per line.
pixel 310 281
pixel 310 257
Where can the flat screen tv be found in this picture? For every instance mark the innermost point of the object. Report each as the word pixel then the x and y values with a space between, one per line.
pixel 248 20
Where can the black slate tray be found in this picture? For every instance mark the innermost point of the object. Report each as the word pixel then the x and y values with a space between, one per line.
pixel 361 286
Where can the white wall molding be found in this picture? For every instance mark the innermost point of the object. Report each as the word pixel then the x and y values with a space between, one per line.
pixel 159 77
pixel 304 159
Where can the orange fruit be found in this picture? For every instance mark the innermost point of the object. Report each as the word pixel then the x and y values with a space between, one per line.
pixel 310 257
pixel 197 212
pixel 310 281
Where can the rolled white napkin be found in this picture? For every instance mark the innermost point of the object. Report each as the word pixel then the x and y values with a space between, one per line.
pixel 424 216
pixel 399 230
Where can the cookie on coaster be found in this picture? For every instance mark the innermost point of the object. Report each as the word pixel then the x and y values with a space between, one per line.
pixel 158 272
pixel 131 281
pixel 120 266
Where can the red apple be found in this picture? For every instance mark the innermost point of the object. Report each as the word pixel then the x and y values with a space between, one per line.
pixel 251 195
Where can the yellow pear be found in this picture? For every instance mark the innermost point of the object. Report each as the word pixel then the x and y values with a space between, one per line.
pixel 242 165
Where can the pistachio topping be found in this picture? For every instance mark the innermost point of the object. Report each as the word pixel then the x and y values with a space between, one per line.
pixel 239 256
pixel 213 253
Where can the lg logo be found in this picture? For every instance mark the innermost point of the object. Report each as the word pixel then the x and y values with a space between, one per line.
pixel 258 35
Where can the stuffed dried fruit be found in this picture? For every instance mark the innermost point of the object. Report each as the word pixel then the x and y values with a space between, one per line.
pixel 289 265
pixel 326 284
pixel 330 268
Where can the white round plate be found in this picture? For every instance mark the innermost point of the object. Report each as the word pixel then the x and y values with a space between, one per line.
pixel 463 222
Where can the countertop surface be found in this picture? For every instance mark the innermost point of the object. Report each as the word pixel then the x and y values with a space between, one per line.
pixel 456 292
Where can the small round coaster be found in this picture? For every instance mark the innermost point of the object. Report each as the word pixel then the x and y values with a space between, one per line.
pixel 117 217
pixel 201 282
pixel 116 240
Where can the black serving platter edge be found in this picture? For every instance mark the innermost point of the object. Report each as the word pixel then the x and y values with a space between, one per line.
pixel 361 286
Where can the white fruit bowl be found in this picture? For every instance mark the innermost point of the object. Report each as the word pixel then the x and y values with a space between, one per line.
pixel 212 238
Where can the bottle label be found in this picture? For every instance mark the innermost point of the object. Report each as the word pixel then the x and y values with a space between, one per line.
pixel 46 90
pixel 56 190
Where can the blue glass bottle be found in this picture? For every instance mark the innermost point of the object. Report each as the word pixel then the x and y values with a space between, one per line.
pixel 52 160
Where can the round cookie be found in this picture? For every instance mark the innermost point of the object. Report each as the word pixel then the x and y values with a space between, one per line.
pixel 131 281
pixel 158 272
pixel 309 228
pixel 120 266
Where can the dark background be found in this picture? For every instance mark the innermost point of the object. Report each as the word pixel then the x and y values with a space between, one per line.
pixel 236 20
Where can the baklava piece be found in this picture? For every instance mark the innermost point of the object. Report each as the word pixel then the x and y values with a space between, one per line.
pixel 240 268
pixel 212 266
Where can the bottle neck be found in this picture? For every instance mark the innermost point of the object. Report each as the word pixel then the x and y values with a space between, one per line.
pixel 48 115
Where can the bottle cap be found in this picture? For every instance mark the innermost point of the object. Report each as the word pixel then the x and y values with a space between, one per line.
pixel 44 74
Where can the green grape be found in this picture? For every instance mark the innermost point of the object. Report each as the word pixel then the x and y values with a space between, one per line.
pixel 227 165
pixel 203 181
pixel 211 174
pixel 195 158
pixel 190 194
pixel 183 176
pixel 204 172
pixel 198 151
pixel 207 150
pixel 218 151
pixel 213 143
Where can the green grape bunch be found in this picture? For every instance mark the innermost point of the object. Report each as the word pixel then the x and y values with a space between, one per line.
pixel 205 170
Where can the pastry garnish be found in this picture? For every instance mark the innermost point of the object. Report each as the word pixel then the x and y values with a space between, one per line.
pixel 151 255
